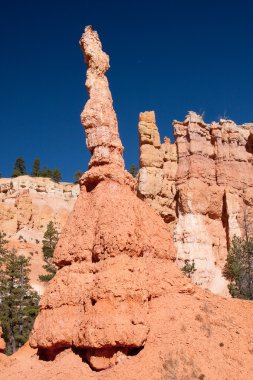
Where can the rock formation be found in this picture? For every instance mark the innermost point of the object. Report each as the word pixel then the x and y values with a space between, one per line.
pixel 208 191
pixel 98 117
pixel 158 168
pixel 98 301
pixel 118 307
pixel 27 204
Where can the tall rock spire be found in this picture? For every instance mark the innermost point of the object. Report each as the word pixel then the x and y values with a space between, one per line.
pixel 98 302
pixel 98 117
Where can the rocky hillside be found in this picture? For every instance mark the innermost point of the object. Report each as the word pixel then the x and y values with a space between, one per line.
pixel 27 204
pixel 202 185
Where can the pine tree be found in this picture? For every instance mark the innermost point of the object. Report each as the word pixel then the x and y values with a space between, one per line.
pixel 19 168
pixel 36 168
pixel 19 302
pixel 238 269
pixel 77 175
pixel 133 170
pixel 49 243
pixel 46 172
pixel 56 175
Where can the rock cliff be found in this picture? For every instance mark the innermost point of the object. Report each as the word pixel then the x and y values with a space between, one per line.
pixel 158 168
pixel 202 185
pixel 27 204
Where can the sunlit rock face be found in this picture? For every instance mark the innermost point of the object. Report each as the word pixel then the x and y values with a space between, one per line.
pixel 158 168
pixel 110 248
pixel 27 205
pixel 98 117
pixel 202 185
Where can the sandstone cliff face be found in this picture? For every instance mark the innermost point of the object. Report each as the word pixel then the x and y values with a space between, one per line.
pixel 158 168
pixel 27 204
pixel 211 176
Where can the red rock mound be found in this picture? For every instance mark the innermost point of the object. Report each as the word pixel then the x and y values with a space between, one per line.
pixel 192 333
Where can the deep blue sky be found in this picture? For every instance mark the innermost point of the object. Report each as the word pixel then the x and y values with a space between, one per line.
pixel 167 56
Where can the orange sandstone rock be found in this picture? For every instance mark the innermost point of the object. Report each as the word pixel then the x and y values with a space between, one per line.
pixel 158 168
pixel 203 187
pixel 98 117
pixel 98 300
pixel 27 204
pixel 109 221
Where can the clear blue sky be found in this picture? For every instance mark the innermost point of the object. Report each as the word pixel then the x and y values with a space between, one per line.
pixel 167 56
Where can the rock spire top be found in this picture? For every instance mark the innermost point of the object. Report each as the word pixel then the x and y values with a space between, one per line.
pixel 98 117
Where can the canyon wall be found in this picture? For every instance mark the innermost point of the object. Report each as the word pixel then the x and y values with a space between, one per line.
pixel 202 185
pixel 27 204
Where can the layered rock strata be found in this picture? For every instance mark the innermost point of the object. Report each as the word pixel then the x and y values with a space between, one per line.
pixel 211 176
pixel 27 204
pixel 98 302
pixel 98 117
pixel 158 168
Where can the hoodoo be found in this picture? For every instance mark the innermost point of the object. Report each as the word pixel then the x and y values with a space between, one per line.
pixel 98 300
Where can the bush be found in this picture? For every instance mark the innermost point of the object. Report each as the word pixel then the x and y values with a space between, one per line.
pixel 238 269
